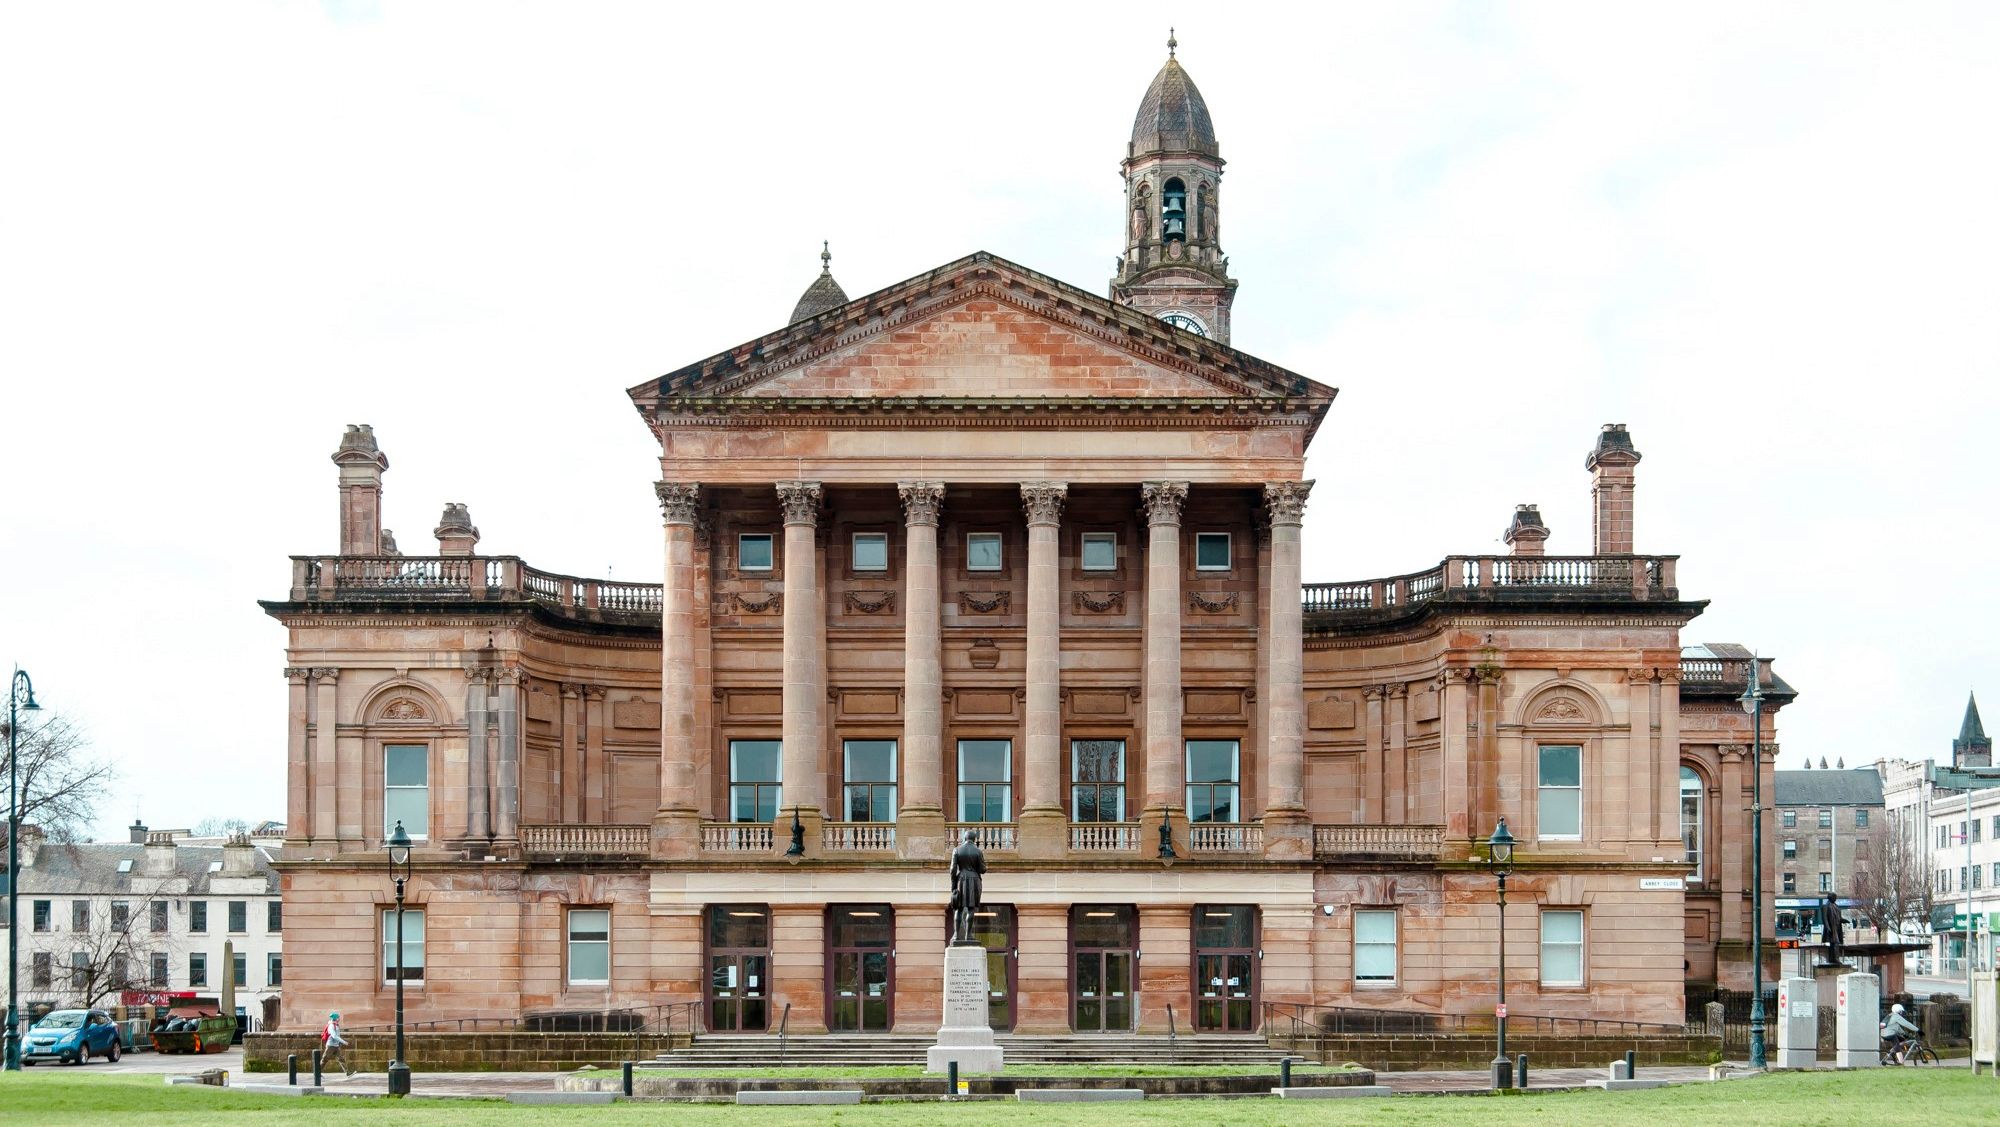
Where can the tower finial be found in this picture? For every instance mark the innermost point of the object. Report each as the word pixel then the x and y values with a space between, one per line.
pixel 1171 42
pixel 825 256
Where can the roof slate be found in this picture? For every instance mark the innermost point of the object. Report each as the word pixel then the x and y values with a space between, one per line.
pixel 1858 787
pixel 91 868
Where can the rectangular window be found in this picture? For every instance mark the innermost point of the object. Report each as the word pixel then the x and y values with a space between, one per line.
pixel 1211 551
pixel 589 946
pixel 197 970
pixel 1212 781
pixel 413 944
pixel 42 912
pixel 159 914
pixel 239 969
pixel 1097 780
pixel 1861 818
pixel 1560 782
pixel 1691 819
pixel 985 780
pixel 1996 874
pixel 159 969
pixel 274 916
pixel 1941 829
pixel 1975 829
pixel 871 551
pixel 198 915
pixel 982 551
pixel 1790 819
pixel 121 915
pixel 79 969
pixel 43 975
pixel 1996 827
pixel 274 969
pixel 1100 551
pixel 1791 849
pixel 239 917
pixel 406 789
pixel 1374 945
pixel 754 787
pixel 1825 846
pixel 1562 948
pixel 1977 872
pixel 1791 882
pixel 869 776
pixel 1826 819
pixel 1963 882
pixel 79 915
pixel 1826 882
pixel 753 551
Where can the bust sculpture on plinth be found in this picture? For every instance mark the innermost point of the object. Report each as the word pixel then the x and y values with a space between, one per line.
pixel 968 870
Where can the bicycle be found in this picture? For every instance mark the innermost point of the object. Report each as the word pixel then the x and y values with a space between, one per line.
pixel 1911 1050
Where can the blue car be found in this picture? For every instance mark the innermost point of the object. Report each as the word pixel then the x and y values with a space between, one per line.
pixel 72 1037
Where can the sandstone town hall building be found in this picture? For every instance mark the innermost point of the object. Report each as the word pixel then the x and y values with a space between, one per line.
pixel 985 551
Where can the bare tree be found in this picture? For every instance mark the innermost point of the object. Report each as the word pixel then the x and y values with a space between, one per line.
pixel 62 779
pixel 1893 882
pixel 112 950
pixel 216 826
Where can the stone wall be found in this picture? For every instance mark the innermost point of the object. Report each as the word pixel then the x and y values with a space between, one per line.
pixel 466 1052
pixel 1412 1052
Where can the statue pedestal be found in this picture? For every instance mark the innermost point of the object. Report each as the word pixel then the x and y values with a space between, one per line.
pixel 965 1038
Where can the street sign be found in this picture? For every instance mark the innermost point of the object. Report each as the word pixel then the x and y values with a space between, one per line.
pixel 1662 884
pixel 1500 1010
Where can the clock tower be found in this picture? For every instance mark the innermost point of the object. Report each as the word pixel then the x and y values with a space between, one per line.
pixel 1173 266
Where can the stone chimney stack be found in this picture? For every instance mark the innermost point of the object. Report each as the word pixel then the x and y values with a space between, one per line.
pixel 31 844
pixel 238 857
pixel 1527 532
pixel 138 832
pixel 1611 480
pixel 160 854
pixel 361 465
pixel 456 536
pixel 389 544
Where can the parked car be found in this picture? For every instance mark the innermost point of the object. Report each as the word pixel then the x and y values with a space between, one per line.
pixel 72 1037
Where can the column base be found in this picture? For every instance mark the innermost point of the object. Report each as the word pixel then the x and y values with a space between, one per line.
pixel 1288 836
pixel 676 835
pixel 920 834
pixel 810 819
pixel 1044 834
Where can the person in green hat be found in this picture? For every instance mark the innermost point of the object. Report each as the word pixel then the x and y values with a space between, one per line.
pixel 333 1045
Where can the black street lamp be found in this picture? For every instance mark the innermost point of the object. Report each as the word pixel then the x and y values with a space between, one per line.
pixel 399 871
pixel 20 698
pixel 1500 858
pixel 1752 701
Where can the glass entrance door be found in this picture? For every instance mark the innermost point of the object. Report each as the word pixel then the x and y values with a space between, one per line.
pixel 1103 967
pixel 739 962
pixel 861 968
pixel 1225 966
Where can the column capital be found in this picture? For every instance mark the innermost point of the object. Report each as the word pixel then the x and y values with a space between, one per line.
pixel 1162 501
pixel 1285 501
pixel 326 674
pixel 922 501
pixel 1044 501
pixel 593 692
pixel 571 690
pixel 297 675
pixel 680 501
pixel 800 501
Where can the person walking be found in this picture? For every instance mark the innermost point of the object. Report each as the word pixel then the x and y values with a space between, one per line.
pixel 334 1044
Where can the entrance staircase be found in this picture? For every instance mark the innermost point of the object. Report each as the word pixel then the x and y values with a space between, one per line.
pixel 764 1050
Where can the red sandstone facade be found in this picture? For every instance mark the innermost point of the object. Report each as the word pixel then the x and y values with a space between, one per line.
pixel 981 551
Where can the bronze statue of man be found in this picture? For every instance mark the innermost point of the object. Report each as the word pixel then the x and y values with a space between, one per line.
pixel 968 868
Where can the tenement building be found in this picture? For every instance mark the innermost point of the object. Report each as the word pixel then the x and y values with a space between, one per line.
pixel 984 552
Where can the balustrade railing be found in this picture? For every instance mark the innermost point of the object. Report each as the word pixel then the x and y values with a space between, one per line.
pixel 318 578
pixel 735 837
pixel 1643 578
pixel 586 841
pixel 1103 837
pixel 1225 837
pixel 858 837
pixel 1417 842
pixel 987 835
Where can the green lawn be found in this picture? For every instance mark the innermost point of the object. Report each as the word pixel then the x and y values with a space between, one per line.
pixel 916 1071
pixel 1846 1099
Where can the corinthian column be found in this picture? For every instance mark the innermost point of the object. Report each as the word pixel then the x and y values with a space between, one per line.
pixel 1044 830
pixel 921 833
pixel 677 822
pixel 1287 831
pixel 805 679
pixel 1163 501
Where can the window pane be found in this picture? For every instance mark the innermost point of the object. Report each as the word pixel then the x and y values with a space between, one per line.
pixel 985 760
pixel 405 765
pixel 871 761
pixel 753 551
pixel 871 551
pixel 754 761
pixel 1097 761
pixel 982 551
pixel 1100 551
pixel 1223 926
pixel 1562 813
pixel 1562 766
pixel 591 923
pixel 1211 551
pixel 737 926
pixel 410 806
pixel 590 962
pixel 1211 761
pixel 1562 927
pixel 1375 927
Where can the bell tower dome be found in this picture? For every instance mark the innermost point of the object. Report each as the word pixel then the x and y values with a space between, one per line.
pixel 1173 266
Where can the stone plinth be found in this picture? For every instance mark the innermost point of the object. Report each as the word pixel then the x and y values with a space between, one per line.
pixel 1857 1032
pixel 966 1037
pixel 1797 1021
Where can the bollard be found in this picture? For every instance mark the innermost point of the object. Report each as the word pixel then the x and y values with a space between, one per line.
pixel 316 1055
pixel 951 1079
pixel 292 1069
pixel 627 1080
pixel 1631 1065
pixel 1521 1072
pixel 1285 1072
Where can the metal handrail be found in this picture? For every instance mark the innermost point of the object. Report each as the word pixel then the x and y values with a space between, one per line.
pixel 1173 1037
pixel 784 1020
pixel 1368 1020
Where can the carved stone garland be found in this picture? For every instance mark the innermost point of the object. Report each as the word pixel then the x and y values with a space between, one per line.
pixel 1109 602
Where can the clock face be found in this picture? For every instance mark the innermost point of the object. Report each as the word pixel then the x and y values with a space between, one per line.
pixel 1181 319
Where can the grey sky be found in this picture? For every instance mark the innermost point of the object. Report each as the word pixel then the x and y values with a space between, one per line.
pixel 1762 236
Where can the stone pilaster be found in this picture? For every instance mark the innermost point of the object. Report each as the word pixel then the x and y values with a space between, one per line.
pixel 569 778
pixel 1163 501
pixel 1287 829
pixel 596 770
pixel 298 756
pixel 478 791
pixel 677 828
pixel 326 757
pixel 1044 828
pixel 920 831
pixel 507 777
pixel 805 678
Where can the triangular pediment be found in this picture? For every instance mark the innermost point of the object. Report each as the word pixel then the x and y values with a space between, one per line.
pixel 980 328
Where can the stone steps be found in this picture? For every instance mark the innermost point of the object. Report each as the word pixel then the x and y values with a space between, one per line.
pixel 762 1050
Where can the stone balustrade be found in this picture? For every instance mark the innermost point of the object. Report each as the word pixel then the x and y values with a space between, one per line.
pixel 594 841
pixel 322 579
pixel 858 837
pixel 1226 837
pixel 1640 578
pixel 1407 843
pixel 736 837
pixel 990 836
pixel 1103 837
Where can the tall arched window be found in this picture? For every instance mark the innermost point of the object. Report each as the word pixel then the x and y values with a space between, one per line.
pixel 1691 827
pixel 1173 210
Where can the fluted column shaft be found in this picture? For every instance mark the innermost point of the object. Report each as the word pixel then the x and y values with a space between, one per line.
pixel 507 777
pixel 923 667
pixel 680 504
pixel 1285 749
pixel 326 756
pixel 805 679
pixel 1042 786
pixel 478 824
pixel 1163 501
pixel 298 756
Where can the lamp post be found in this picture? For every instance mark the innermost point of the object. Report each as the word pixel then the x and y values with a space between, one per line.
pixel 399 871
pixel 20 698
pixel 1752 701
pixel 1500 858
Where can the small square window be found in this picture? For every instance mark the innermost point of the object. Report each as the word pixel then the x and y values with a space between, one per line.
pixel 753 551
pixel 871 551
pixel 1211 551
pixel 125 865
pixel 1100 551
pixel 982 551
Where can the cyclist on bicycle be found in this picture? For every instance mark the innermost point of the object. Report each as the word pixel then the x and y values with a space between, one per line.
pixel 1897 1031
